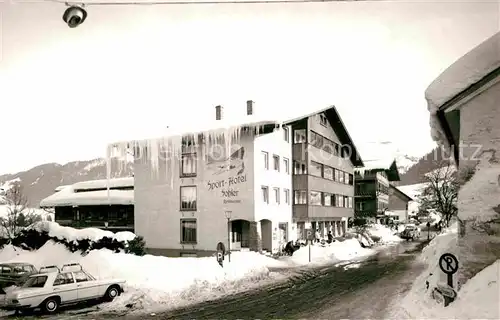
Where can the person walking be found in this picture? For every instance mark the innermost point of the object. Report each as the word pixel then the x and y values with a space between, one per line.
pixel 317 236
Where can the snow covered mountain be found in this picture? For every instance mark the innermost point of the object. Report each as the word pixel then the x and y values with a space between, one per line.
pixel 383 153
pixel 40 181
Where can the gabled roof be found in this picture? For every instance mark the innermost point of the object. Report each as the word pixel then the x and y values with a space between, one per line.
pixel 391 170
pixel 338 126
pixel 408 198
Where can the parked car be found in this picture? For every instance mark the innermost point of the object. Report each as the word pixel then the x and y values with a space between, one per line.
pixel 52 287
pixel 15 273
pixel 411 232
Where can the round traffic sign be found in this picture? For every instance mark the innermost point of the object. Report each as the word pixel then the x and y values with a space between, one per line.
pixel 448 263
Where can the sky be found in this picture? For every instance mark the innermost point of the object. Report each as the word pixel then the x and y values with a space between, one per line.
pixel 128 72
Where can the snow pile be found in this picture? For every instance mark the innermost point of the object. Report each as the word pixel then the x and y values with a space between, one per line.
pixel 383 234
pixel 477 299
pixel 154 281
pixel 69 234
pixel 418 303
pixel 329 253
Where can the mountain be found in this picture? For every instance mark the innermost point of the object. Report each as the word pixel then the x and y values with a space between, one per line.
pixel 383 153
pixel 39 182
pixel 433 160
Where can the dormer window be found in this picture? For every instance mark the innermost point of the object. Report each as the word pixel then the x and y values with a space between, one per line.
pixel 322 120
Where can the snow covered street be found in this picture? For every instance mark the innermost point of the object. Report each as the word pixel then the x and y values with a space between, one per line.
pixel 318 292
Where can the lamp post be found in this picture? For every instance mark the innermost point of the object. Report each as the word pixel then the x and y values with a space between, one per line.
pixel 228 217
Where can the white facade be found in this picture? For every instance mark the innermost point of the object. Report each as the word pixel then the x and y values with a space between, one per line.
pixel 272 149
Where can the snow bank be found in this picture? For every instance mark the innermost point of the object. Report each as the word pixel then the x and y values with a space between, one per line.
pixel 383 233
pixel 154 281
pixel 70 234
pixel 329 253
pixel 418 303
pixel 477 299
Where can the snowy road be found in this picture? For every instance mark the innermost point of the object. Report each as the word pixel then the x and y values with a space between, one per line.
pixel 355 290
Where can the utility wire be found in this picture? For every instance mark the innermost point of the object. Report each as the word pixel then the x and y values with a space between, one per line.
pixel 166 2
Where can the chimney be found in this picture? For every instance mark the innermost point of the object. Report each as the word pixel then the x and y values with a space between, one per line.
pixel 249 107
pixel 218 113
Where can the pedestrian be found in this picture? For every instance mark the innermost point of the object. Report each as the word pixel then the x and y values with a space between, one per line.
pixel 330 237
pixel 317 236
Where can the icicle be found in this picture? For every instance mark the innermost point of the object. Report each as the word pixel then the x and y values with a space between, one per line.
pixel 108 169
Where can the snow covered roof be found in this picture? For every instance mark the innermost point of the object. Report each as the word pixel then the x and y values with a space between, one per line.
pixel 397 189
pixel 466 71
pixel 413 190
pixel 104 184
pixel 93 192
pixel 469 73
pixel 336 122
pixel 382 164
pixel 61 187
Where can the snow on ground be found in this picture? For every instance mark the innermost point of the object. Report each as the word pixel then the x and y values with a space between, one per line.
pixel 70 234
pixel 158 283
pixel 477 299
pixel 385 234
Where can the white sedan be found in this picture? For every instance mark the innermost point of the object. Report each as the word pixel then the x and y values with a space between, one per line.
pixel 53 287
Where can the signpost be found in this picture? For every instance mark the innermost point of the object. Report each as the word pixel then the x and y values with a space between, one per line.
pixel 220 254
pixel 448 263
pixel 310 237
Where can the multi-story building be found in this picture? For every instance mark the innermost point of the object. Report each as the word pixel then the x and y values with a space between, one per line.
pixel 234 185
pixel 230 185
pixel 324 158
pixel 372 190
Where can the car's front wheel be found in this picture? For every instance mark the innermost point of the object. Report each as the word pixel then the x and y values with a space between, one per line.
pixel 50 305
pixel 112 293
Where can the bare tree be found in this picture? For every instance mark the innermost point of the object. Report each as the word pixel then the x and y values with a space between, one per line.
pixel 18 215
pixel 441 193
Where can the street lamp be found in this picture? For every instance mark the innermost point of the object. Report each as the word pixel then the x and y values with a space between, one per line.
pixel 228 217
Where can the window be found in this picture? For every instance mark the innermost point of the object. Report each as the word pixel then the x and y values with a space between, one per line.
pixel 300 196
pixel 316 169
pixel 188 198
pixel 340 201
pixel 337 175
pixel 286 134
pixel 351 179
pixel 188 165
pixel 286 165
pixel 299 136
pixel 265 194
pixel 265 159
pixel 63 278
pixel 346 178
pixel 276 195
pixel 350 202
pixel 327 199
pixel 328 172
pixel 315 198
pixel 276 162
pixel 287 196
pixel 316 140
pixel 328 146
pixel 188 144
pixel 35 282
pixel 360 206
pixel 299 168
pixel 346 202
pixel 188 231
pixel 81 276
pixel 341 176
pixel 322 120
pixel 336 149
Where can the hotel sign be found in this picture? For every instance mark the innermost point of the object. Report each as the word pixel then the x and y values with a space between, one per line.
pixel 227 187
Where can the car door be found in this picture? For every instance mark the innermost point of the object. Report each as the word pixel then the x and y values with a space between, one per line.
pixel 86 287
pixel 66 287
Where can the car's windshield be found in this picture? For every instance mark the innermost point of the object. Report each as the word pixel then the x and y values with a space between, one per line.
pixel 35 282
